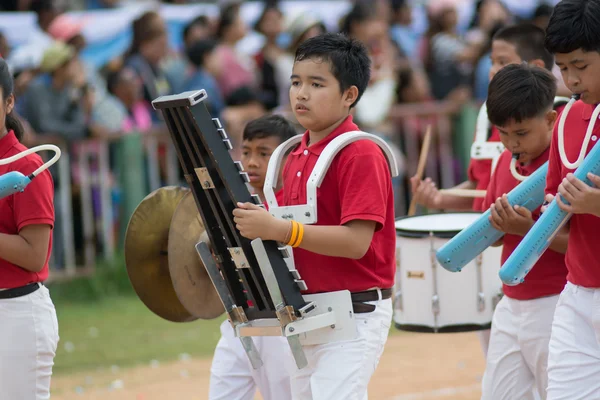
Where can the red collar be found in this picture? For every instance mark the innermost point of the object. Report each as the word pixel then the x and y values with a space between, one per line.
pixel 534 164
pixel 8 142
pixel 587 110
pixel 347 125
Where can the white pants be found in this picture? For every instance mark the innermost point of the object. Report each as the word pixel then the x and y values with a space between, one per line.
pixel 28 341
pixel 518 353
pixel 342 370
pixel 574 359
pixel 484 340
pixel 233 378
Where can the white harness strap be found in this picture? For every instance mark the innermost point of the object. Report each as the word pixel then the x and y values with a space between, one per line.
pixel 307 213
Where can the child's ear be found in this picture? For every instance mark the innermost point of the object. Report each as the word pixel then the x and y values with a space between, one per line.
pixel 551 118
pixel 350 95
pixel 537 63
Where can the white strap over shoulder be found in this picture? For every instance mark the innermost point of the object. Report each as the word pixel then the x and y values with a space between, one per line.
pixel 307 213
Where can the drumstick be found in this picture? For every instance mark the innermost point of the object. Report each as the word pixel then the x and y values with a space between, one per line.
pixel 421 167
pixel 464 192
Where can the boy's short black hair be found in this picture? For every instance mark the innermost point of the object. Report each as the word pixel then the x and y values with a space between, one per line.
pixel 242 96
pixel 519 92
pixel 528 40
pixel 268 126
pixel 348 59
pixel 574 24
pixel 197 52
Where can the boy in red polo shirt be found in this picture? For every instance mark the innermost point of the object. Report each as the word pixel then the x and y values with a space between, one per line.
pixel 573 36
pixel 352 245
pixel 519 103
pixel 231 374
pixel 514 44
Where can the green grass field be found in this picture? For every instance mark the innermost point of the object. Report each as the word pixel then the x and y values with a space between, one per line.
pixel 121 331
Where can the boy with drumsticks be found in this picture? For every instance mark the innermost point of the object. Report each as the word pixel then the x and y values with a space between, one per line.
pixel 352 245
pixel 513 44
pixel 573 36
pixel 231 374
pixel 520 105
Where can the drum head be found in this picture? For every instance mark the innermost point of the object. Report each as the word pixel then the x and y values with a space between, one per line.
pixel 440 225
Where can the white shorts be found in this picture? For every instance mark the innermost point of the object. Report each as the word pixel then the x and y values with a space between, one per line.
pixel 28 341
pixel 484 340
pixel 516 365
pixel 233 378
pixel 342 370
pixel 574 359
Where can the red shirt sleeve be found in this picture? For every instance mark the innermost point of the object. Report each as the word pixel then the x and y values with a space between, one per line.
pixel 364 184
pixel 554 176
pixel 35 205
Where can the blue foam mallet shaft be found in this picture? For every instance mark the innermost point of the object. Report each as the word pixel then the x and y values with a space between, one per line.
pixel 539 237
pixel 474 239
pixel 13 182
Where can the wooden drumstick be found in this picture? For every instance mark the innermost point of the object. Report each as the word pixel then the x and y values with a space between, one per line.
pixel 421 167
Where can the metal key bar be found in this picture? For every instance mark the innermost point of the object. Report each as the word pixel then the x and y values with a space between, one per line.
pixel 218 195
pixel 283 313
pixel 230 307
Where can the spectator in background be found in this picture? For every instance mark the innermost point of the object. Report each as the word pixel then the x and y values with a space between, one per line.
pixel 449 58
pixel 402 31
pixel 270 25
pixel 199 28
pixel 177 66
pixel 126 86
pixel 104 111
pixel 55 105
pixel 205 65
pixel 242 106
pixel 237 70
pixel 148 49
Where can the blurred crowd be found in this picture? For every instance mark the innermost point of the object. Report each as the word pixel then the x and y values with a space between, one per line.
pixel 63 97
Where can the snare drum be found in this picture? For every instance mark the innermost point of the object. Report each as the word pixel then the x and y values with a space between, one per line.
pixel 428 298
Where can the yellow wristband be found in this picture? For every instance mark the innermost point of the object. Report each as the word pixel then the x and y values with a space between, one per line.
pixel 294 235
pixel 300 235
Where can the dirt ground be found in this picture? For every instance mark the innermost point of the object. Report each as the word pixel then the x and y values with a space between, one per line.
pixel 413 367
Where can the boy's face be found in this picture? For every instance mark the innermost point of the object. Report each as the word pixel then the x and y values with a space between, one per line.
pixel 315 95
pixel 255 158
pixel 503 54
pixel 580 72
pixel 529 138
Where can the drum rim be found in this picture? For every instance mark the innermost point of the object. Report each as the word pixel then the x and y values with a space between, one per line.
pixel 421 234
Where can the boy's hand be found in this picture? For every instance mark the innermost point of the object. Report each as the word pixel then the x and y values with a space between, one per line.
pixel 513 220
pixel 547 200
pixel 425 192
pixel 583 199
pixel 255 222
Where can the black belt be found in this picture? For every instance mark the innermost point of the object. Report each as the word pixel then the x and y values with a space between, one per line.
pixel 359 300
pixel 19 291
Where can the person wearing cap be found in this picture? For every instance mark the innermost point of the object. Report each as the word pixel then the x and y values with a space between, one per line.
pixel 54 107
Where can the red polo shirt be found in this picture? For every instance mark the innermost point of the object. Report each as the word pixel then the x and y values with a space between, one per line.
pixel 582 259
pixel 357 186
pixel 548 276
pixel 34 206
pixel 480 171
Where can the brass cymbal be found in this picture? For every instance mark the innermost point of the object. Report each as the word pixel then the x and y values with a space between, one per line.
pixel 146 246
pixel 190 279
